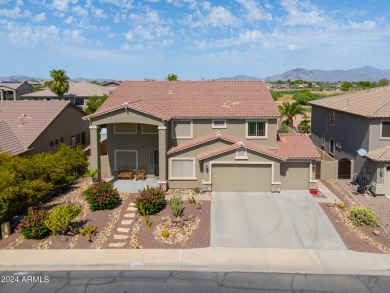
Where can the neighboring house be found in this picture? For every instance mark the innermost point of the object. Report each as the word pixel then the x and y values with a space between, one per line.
pixel 220 135
pixel 12 90
pixel 112 85
pixel 78 93
pixel 30 127
pixel 341 125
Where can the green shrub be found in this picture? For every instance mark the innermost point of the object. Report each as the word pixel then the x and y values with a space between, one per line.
pixel 360 216
pixel 33 225
pixel 283 128
pixel 88 232
pixel 176 205
pixel 151 200
pixel 102 196
pixel 60 219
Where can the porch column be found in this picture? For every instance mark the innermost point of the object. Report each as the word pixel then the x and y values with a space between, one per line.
pixel 94 160
pixel 14 95
pixel 1 95
pixel 162 156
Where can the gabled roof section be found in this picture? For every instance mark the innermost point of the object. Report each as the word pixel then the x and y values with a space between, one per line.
pixel 380 155
pixel 296 146
pixel 242 144
pixel 202 140
pixel 26 120
pixel 372 103
pixel 12 85
pixel 194 99
pixel 9 142
pixel 76 89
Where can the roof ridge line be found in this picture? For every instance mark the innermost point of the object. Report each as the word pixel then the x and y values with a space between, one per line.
pixel 381 106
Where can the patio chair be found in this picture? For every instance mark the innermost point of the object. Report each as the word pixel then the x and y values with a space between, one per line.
pixel 140 174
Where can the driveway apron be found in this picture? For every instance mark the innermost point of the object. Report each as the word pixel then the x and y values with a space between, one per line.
pixel 290 219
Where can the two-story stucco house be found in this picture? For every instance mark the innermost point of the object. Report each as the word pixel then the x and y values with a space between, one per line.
pixel 342 125
pixel 13 90
pixel 214 134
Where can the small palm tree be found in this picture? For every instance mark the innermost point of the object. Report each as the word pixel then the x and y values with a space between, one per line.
pixel 60 83
pixel 290 111
pixel 171 77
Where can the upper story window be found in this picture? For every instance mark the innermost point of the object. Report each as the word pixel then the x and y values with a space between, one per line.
pixel 385 129
pixel 149 129
pixel 331 146
pixel 219 124
pixel 323 140
pixel 182 129
pixel 125 128
pixel 256 129
pixel 332 118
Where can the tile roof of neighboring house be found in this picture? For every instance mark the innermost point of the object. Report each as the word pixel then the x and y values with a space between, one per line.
pixel 26 120
pixel 372 103
pixel 296 146
pixel 76 89
pixel 11 85
pixel 193 99
pixel 380 155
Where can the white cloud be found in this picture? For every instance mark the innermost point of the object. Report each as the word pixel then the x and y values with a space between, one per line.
pixel 368 24
pixel 62 5
pixel 19 2
pixel 128 4
pixel 137 47
pixel 129 35
pixel 73 36
pixel 80 11
pixel 254 12
pixel 304 13
pixel 70 20
pixel 217 17
pixel 99 13
pixel 39 17
pixel 15 13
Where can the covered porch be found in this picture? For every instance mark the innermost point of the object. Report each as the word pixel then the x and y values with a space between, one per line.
pixel 133 186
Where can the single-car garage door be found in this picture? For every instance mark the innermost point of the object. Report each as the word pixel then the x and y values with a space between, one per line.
pixel 244 178
pixel 295 175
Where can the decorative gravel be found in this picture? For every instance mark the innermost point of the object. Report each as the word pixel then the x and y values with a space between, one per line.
pixel 355 238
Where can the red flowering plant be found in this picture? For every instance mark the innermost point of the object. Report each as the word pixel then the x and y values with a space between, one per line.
pixel 150 200
pixel 102 196
pixel 33 225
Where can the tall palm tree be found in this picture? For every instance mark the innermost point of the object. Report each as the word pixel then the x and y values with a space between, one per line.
pixel 290 111
pixel 60 83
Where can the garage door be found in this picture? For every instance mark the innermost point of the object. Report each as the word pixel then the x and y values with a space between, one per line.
pixel 295 175
pixel 243 178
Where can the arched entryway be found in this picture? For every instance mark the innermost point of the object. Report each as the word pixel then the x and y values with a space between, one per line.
pixel 344 169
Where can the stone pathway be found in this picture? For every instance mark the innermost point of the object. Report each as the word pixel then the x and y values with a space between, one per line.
pixel 121 236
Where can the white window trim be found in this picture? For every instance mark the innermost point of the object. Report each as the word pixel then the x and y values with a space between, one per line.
pixel 136 157
pixel 121 132
pixel 143 132
pixel 331 114
pixel 181 178
pixel 334 146
pixel 216 126
pixel 242 157
pixel 323 139
pixel 151 164
pixel 380 130
pixel 191 127
pixel 256 137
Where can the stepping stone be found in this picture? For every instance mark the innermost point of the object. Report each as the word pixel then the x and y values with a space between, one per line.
pixel 131 215
pixel 131 209
pixel 119 244
pixel 132 204
pixel 126 222
pixel 124 230
pixel 122 237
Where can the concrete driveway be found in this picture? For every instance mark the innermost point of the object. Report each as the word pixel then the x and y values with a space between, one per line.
pixel 290 219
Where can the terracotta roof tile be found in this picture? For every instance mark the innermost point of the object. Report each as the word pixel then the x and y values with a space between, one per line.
pixel 9 142
pixel 380 155
pixel 296 146
pixel 194 99
pixel 373 103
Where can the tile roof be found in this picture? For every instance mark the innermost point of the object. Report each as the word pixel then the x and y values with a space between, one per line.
pixel 380 155
pixel 37 116
pixel 11 85
pixel 296 146
pixel 194 99
pixel 372 103
pixel 76 89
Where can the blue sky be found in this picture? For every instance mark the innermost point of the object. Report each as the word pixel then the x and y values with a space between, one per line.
pixel 134 40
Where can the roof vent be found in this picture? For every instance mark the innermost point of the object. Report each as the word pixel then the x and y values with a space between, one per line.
pixel 22 119
pixel 170 92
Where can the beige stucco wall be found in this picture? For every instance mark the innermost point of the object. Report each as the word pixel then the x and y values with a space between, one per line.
pixel 68 123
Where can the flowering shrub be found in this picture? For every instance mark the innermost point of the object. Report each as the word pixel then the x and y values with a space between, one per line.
pixel 150 200
pixel 102 196
pixel 33 226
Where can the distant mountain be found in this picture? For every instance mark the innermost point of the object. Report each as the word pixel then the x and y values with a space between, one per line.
pixel 239 77
pixel 79 79
pixel 19 78
pixel 366 73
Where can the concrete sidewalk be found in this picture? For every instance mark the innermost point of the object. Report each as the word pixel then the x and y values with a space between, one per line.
pixel 203 259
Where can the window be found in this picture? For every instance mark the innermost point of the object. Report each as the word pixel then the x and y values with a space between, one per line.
pixel 182 129
pixel 385 129
pixel 79 101
pixel 332 118
pixel 83 140
pixel 51 144
pixel 56 141
pixel 73 141
pixel 125 128
pixel 149 129
pixel 126 160
pixel 78 138
pixel 241 153
pixel 331 146
pixel 219 124
pixel 151 161
pixel 183 168
pixel 256 129
pixel 62 140
pixel 322 140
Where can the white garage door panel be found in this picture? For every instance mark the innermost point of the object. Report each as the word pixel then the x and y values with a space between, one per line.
pixel 245 178
pixel 295 176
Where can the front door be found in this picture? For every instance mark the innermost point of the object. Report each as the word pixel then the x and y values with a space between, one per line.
pixel 344 169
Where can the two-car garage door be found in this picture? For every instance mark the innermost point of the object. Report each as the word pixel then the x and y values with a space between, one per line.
pixel 241 177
